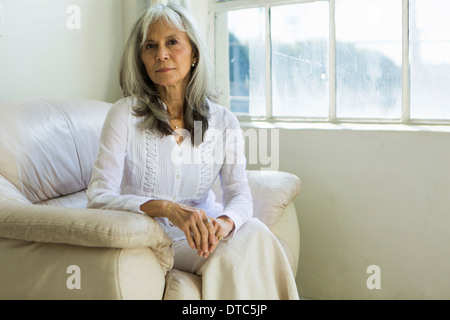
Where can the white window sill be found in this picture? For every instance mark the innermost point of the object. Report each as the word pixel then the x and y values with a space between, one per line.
pixel 344 126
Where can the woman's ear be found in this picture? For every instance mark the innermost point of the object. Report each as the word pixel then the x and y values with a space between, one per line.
pixel 194 60
pixel 194 57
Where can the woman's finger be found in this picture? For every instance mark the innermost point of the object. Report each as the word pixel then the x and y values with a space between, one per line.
pixel 197 239
pixel 190 239
pixel 197 230
pixel 215 229
pixel 204 236
pixel 210 224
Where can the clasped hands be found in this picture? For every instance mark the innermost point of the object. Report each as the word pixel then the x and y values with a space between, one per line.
pixel 203 233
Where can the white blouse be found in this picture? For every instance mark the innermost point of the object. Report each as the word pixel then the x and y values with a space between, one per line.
pixel 135 165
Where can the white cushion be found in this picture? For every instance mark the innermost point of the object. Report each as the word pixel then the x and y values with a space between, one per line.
pixel 48 148
pixel 272 191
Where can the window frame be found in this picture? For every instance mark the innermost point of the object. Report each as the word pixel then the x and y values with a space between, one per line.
pixel 223 68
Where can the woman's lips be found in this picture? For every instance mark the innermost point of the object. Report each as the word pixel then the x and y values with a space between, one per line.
pixel 162 70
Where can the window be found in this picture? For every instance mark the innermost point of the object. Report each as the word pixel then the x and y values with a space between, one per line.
pixel 369 58
pixel 430 59
pixel 334 60
pixel 247 60
pixel 300 68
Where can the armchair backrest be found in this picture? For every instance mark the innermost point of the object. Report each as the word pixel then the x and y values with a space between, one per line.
pixel 47 148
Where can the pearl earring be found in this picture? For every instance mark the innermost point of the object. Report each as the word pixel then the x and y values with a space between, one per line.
pixel 193 65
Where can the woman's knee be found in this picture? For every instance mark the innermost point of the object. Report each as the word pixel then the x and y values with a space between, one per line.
pixel 254 229
pixel 251 235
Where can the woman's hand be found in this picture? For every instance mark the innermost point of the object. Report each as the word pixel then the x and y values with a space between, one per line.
pixel 202 232
pixel 221 228
pixel 192 221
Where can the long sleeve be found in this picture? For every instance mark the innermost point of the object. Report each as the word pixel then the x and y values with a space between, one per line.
pixel 237 199
pixel 104 190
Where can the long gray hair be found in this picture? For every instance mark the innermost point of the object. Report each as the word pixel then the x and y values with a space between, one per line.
pixel 136 83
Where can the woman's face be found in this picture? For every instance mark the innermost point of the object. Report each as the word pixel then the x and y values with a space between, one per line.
pixel 167 55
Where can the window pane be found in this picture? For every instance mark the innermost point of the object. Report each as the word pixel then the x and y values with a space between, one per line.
pixel 430 59
pixel 300 73
pixel 247 61
pixel 369 58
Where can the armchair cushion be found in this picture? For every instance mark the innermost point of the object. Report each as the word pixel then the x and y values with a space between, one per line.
pixel 272 191
pixel 84 227
pixel 48 147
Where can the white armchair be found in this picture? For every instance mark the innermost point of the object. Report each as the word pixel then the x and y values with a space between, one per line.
pixel 52 247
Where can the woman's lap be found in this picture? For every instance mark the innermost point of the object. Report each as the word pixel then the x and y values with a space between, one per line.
pixel 251 265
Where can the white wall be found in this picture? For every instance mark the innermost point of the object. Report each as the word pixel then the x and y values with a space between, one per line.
pixel 41 58
pixel 372 195
pixel 132 9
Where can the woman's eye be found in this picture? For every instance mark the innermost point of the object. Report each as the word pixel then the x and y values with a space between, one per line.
pixel 173 42
pixel 149 46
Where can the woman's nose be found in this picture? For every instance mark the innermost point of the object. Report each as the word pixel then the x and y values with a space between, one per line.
pixel 162 54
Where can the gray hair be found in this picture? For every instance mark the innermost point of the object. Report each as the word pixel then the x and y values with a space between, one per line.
pixel 136 83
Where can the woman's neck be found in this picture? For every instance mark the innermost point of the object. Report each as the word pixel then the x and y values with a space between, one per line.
pixel 174 100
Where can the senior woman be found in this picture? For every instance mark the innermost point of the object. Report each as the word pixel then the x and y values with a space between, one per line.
pixel 163 146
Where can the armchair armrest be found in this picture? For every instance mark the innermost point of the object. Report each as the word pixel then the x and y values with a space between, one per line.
pixel 272 192
pixel 84 227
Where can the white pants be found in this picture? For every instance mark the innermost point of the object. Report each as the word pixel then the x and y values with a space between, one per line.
pixel 251 266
